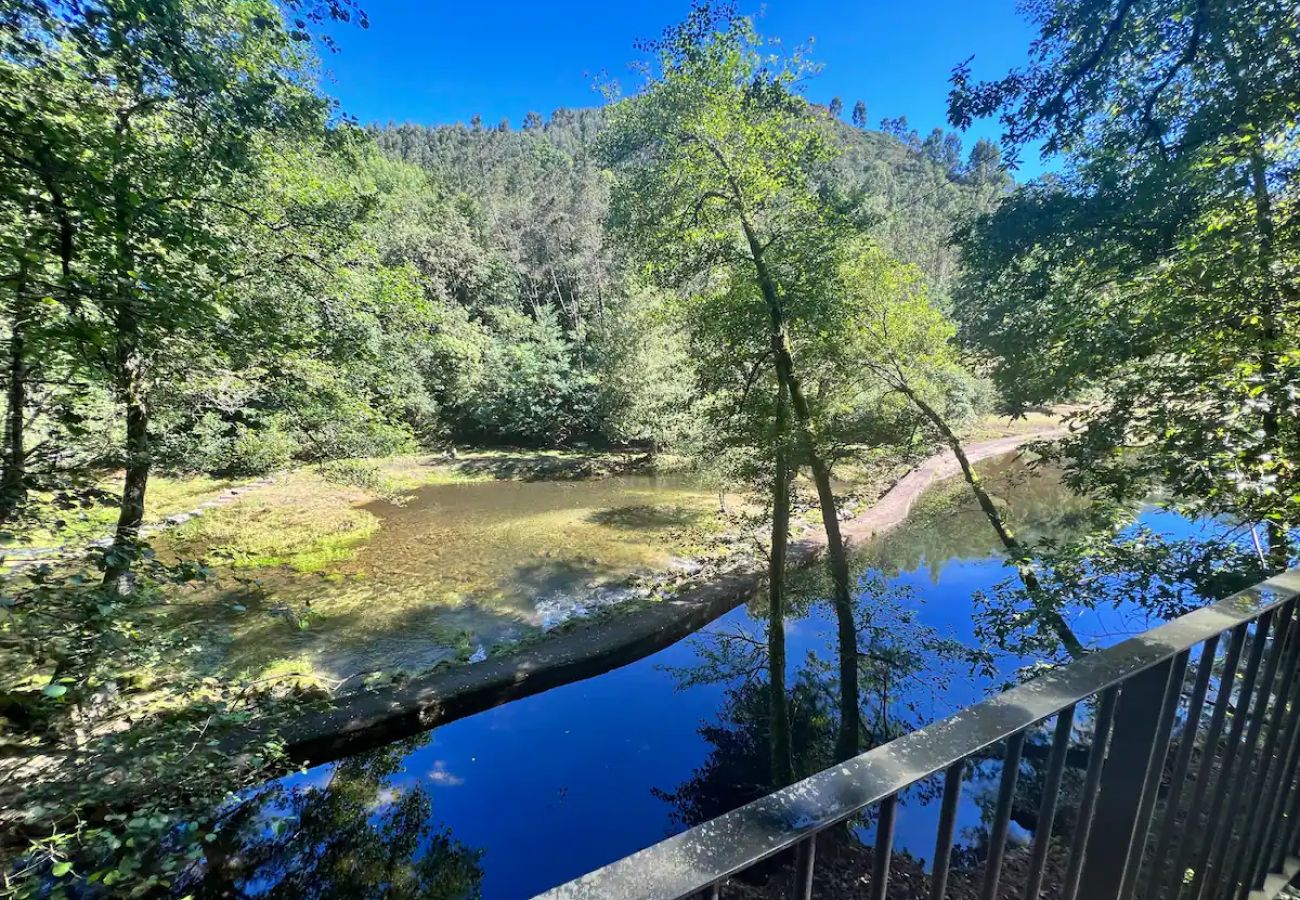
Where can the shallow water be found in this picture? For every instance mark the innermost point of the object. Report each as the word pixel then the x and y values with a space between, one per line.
pixel 525 796
pixel 456 568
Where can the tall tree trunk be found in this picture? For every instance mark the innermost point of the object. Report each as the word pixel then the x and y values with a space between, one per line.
pixel 139 463
pixel 130 375
pixel 1273 301
pixel 779 725
pixel 1279 539
pixel 13 478
pixel 1016 550
pixel 849 739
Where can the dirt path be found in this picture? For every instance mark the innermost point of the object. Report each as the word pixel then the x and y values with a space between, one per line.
pixel 364 720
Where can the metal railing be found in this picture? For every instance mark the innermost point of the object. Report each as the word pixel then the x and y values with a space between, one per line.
pixel 1191 733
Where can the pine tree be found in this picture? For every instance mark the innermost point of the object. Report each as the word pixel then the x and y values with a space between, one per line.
pixel 860 115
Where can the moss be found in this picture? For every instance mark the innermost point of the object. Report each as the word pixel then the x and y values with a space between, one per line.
pixel 301 521
pixel 168 496
pixel 291 672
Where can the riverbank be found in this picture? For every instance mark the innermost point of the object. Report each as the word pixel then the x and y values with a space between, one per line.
pixel 217 735
pixel 363 720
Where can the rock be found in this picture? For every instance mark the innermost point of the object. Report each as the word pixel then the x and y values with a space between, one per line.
pixel 682 566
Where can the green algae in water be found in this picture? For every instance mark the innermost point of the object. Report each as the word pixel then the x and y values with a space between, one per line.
pixel 452 569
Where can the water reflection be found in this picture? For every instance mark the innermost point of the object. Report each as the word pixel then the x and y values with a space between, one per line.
pixel 947 524
pixel 533 793
pixel 366 829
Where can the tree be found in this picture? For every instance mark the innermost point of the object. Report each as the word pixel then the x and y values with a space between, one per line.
pixel 944 150
pixel 364 833
pixel 1160 268
pixel 715 161
pixel 172 113
pixel 532 120
pixel 779 713
pixel 899 128
pixel 902 339
pixel 835 107
pixel 860 115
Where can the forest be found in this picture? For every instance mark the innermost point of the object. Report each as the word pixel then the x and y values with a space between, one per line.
pixel 210 274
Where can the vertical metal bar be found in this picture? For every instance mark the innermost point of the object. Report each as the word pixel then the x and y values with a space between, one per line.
pixel 1232 778
pixel 947 829
pixel 1047 807
pixel 1290 827
pixel 1191 834
pixel 884 847
pixel 1256 761
pixel 1264 790
pixel 1002 815
pixel 805 861
pixel 1186 744
pixel 1155 767
pixel 1123 783
pixel 1277 798
pixel 1088 796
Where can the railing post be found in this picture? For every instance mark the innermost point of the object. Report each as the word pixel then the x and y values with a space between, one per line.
pixel 805 862
pixel 1112 839
pixel 1155 768
pixel 1160 860
pixel 884 847
pixel 947 829
pixel 1047 806
pixel 1190 839
pixel 1002 815
pixel 1224 829
pixel 1267 790
pixel 1088 794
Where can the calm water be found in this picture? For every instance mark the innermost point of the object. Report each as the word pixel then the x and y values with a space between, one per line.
pixel 456 568
pixel 520 798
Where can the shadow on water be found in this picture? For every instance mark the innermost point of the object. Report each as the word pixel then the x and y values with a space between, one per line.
pixel 644 517
pixel 551 786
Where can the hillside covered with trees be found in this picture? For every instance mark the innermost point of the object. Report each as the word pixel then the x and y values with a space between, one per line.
pixel 208 273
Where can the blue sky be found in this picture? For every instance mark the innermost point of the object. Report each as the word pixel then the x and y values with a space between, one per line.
pixel 436 62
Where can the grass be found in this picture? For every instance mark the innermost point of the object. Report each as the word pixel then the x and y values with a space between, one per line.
pixel 990 427
pixel 301 521
pixel 168 496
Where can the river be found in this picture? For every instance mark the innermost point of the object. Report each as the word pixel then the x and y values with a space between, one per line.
pixel 527 795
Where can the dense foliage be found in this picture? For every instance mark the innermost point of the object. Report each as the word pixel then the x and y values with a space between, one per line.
pixel 205 268
pixel 1157 275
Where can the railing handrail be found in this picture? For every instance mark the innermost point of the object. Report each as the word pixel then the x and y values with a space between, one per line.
pixel 709 853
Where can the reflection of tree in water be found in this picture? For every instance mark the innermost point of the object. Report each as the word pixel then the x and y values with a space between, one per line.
pixel 948 523
pixel 739 768
pixel 901 662
pixel 360 835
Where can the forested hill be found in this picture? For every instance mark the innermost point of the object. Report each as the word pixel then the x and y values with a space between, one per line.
pixel 538 195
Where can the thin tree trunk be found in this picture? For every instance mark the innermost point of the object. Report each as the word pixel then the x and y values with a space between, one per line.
pixel 1271 307
pixel 1015 549
pixel 1279 540
pixel 13 479
pixel 849 740
pixel 131 382
pixel 782 761
pixel 139 462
